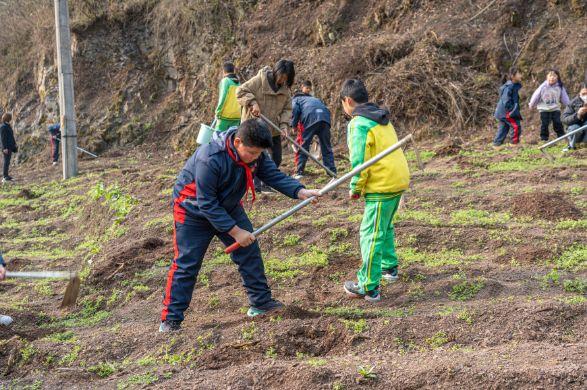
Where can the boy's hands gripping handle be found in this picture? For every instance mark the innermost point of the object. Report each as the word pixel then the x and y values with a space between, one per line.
pixel 330 186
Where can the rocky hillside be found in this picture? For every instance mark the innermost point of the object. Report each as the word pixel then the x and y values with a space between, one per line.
pixel 146 70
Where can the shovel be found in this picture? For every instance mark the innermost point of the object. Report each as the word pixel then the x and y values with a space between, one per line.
pixel 72 290
pixel 82 150
pixel 310 156
pixel 329 187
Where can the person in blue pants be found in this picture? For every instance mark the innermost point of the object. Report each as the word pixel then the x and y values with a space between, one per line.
pixel 55 133
pixel 311 117
pixel 207 202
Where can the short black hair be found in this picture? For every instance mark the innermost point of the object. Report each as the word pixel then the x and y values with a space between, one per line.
pixel 583 85
pixel 355 89
pixel 307 83
pixel 255 133
pixel 285 67
pixel 228 67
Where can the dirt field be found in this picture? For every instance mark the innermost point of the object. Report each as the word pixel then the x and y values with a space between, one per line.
pixel 493 271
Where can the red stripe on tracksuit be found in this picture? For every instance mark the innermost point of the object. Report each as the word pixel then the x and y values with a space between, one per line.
pixel 178 216
pixel 514 124
pixel 299 140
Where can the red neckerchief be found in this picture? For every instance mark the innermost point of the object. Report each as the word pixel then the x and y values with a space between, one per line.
pixel 248 171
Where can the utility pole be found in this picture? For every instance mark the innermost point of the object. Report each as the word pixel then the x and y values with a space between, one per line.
pixel 66 98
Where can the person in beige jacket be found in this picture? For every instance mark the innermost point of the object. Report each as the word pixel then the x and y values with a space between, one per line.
pixel 268 93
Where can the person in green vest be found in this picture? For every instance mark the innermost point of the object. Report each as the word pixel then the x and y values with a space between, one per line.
pixel 228 111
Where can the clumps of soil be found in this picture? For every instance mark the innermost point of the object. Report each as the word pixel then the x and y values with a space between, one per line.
pixel 527 255
pixel 27 194
pixel 552 206
pixel 453 148
pixel 311 338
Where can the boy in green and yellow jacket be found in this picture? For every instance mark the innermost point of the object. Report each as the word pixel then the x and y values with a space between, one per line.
pixel 382 185
pixel 228 111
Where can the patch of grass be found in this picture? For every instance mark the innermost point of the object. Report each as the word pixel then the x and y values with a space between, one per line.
pixel 249 331
pixel 342 248
pixel 551 278
pixel 357 326
pixel 164 221
pixel 356 313
pixel 42 253
pixel 466 316
pixel 355 218
pixel 145 379
pixel 322 221
pixel 446 311
pixel 27 353
pixel 577 285
pixel 573 259
pixel 271 353
pixel 571 224
pixel 338 233
pixel 44 287
pixel 115 199
pixel 62 337
pixel 316 362
pixel 104 369
pixel 437 340
pixel 439 258
pixel 291 240
pixel 147 361
pixel 425 155
pixel 293 266
pixel 90 315
pixel 478 217
pixel 573 300
pixel 466 290
pixel 70 357
pixel 213 301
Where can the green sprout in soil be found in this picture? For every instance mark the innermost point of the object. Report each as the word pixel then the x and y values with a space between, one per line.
pixel 466 290
pixel 248 331
pixel 437 340
pixel 573 259
pixel 574 300
pixel 367 372
pixel 104 369
pixel 271 353
pixel 27 353
pixel 316 362
pixel 338 233
pixel 70 357
pixel 577 285
pixel 478 217
pixel 291 240
pixel 551 278
pixel 357 326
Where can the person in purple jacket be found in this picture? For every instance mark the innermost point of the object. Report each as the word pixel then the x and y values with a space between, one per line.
pixel 548 98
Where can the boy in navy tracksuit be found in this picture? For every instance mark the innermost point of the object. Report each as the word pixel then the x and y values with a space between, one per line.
pixel 207 202
pixel 311 117
pixel 507 111
pixel 55 131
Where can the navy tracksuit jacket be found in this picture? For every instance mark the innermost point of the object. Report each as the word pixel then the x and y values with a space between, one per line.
pixel 207 202
pixel 55 131
pixel 311 117
pixel 507 112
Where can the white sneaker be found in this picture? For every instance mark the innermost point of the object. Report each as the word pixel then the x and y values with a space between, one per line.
pixel 297 176
pixel 54 163
pixel 5 320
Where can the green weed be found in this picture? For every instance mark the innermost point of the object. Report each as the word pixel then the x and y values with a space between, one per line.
pixel 577 285
pixel 147 361
pixel 574 300
pixel 145 379
pixel 249 331
pixel 104 369
pixel 573 259
pixel 271 353
pixel 337 233
pixel 437 340
pixel 551 278
pixel 571 224
pixel 291 240
pixel 367 372
pixel 427 217
pixel 27 353
pixel 466 290
pixel 466 316
pixel 357 326
pixel 70 357
pixel 316 362
pixel 63 337
pixel 439 258
pixel 115 199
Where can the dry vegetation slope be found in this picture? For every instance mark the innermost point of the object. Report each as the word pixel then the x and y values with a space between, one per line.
pixel 492 291
pixel 147 69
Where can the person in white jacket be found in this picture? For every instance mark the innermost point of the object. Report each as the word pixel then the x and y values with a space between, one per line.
pixel 547 99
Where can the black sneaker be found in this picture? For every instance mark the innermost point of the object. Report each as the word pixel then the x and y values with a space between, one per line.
pixel 169 326
pixel 390 275
pixel 352 289
pixel 272 305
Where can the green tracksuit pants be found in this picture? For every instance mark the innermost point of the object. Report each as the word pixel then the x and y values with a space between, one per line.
pixel 377 239
pixel 225 124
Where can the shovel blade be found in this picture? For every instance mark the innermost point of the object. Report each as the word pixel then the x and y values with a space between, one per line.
pixel 71 292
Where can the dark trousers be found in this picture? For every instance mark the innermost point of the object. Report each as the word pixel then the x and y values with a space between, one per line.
pixel 54 149
pixel 577 137
pixel 276 156
pixel 305 137
pixel 6 165
pixel 191 240
pixel 508 126
pixel 551 116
